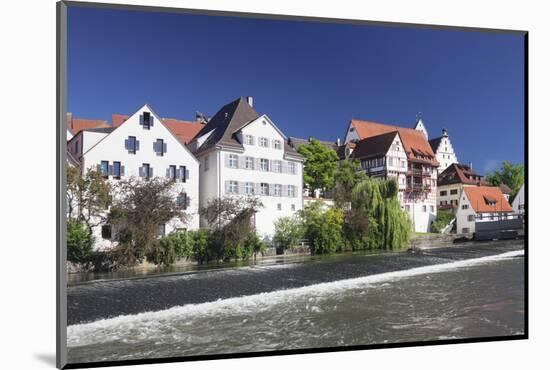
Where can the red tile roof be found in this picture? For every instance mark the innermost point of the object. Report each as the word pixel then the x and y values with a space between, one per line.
pixel 415 143
pixel 458 173
pixel 184 130
pixel 477 195
pixel 79 124
pixel 118 119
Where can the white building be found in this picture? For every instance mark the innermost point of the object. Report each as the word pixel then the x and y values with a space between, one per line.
pixel 383 148
pixel 141 147
pixel 450 183
pixel 243 153
pixel 481 204
pixel 518 204
pixel 444 151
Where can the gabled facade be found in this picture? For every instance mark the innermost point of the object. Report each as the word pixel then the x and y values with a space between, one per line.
pixel 419 125
pixel 444 151
pixel 244 154
pixel 518 204
pixel 480 204
pixel 418 194
pixel 141 147
pixel 450 183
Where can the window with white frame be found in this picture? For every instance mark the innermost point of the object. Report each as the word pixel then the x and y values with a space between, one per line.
pixel 233 187
pixel 277 190
pixel 264 142
pixel 233 161
pixel 277 144
pixel 264 164
pixel 249 140
pixel 292 168
pixel 249 163
pixel 279 207
pixel 464 206
pixel 291 191
pixel 277 166
pixel 264 188
pixel 249 188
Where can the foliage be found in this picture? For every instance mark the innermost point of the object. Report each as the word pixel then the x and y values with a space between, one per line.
pixel 442 220
pixel 79 242
pixel 509 174
pixel 348 174
pixel 288 232
pixel 231 218
pixel 375 219
pixel 319 166
pixel 137 213
pixel 199 242
pixel 323 229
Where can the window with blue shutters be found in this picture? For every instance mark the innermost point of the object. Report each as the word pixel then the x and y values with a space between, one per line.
pixel 183 200
pixel 146 120
pixel 116 170
pixel 105 169
pixel 171 173
pixel 131 144
pixel 146 171
pixel 183 173
pixel 159 147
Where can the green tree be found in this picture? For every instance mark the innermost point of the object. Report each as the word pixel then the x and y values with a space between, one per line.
pixel 319 166
pixel 348 174
pixel 288 232
pixel 323 229
pixel 442 220
pixel 140 207
pixel 79 242
pixel 509 174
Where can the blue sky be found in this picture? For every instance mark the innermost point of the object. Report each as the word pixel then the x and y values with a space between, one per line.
pixel 310 78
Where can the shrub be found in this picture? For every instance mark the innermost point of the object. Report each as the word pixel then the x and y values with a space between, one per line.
pixel 200 245
pixel 443 218
pixel 79 242
pixel 288 232
pixel 323 229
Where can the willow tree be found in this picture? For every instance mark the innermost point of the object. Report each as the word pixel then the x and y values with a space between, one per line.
pixel 375 219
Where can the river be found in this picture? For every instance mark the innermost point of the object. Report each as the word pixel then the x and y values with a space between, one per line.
pixel 458 292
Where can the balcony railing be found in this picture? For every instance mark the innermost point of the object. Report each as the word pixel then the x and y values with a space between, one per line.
pixel 418 172
pixel 418 187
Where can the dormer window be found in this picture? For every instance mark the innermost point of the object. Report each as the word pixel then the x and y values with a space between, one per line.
pixel 146 120
pixel 159 147
pixel 492 202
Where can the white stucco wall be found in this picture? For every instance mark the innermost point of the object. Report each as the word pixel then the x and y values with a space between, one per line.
pixel 445 154
pixel 112 148
pixel 518 204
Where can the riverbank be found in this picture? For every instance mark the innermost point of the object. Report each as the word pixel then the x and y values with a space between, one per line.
pixel 92 301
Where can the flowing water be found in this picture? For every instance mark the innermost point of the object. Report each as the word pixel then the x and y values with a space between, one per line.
pixel 463 293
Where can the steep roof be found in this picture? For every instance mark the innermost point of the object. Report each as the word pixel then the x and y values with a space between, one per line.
pixel 103 130
pixel 479 195
pixel 79 124
pixel 226 122
pixel 415 143
pixel 458 173
pixel 118 119
pixel 505 189
pixel 434 143
pixel 184 130
pixel 341 150
pixel 374 146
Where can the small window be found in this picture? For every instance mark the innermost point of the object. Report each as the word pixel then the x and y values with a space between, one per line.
pixel 105 169
pixel 277 190
pixel 277 166
pixel 264 164
pixel 292 168
pixel 206 163
pixel 464 206
pixel 454 192
pixel 279 207
pixel 249 188
pixel 183 173
pixel 293 207
pixel 443 193
pixel 172 173
pixel 277 144
pixel 264 188
pixel 116 170
pixel 159 147
pixel 471 217
pixel 432 209
pixel 249 163
pixel 161 231
pixel 146 120
pixel 233 161
pixel 465 230
pixel 146 171
pixel 106 231
pixel 233 187
pixel 249 139
pixel 264 141
pixel 291 192
pixel 182 200
pixel 424 208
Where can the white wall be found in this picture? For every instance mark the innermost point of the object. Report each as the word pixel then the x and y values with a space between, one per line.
pixel 112 148
pixel 519 201
pixel 445 154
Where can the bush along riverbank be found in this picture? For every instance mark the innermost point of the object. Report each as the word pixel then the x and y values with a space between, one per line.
pixel 366 216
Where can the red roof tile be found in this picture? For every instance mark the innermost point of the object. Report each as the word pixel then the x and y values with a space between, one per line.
pixel 184 130
pixel 79 124
pixel 477 195
pixel 415 143
pixel 118 119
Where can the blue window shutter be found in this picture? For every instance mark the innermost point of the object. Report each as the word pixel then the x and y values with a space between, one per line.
pixel 150 171
pixel 110 170
pixel 187 201
pixel 186 175
pixel 178 174
pixel 141 119
pixel 137 145
pixel 121 170
pixel 227 186
pixel 164 147
pixel 151 120
pixel 141 172
pixel 127 144
pixel 155 147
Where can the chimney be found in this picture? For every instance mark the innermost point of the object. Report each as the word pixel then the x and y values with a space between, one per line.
pixel 250 101
pixel 471 166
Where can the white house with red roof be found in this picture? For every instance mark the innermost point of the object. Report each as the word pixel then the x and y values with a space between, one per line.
pixel 418 192
pixel 141 146
pixel 480 204
pixel 244 154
